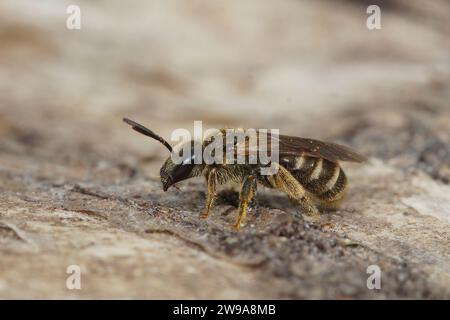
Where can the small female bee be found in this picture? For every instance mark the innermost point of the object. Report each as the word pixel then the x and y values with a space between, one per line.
pixel 307 169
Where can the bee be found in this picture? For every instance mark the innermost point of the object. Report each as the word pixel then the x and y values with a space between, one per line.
pixel 308 172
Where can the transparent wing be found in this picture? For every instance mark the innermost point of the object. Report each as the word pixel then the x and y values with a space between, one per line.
pixel 296 146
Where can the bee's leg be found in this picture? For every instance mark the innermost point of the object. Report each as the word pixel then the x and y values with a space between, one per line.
pixel 253 204
pixel 248 191
pixel 211 181
pixel 284 181
pixel 331 205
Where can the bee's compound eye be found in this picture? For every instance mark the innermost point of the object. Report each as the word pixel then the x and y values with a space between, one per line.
pixel 181 172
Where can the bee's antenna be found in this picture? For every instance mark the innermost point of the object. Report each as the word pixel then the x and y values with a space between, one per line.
pixel 149 133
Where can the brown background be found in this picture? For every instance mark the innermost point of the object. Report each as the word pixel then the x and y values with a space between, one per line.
pixel 79 187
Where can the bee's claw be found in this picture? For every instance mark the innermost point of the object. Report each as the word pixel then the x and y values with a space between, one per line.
pixel 204 215
pixel 237 226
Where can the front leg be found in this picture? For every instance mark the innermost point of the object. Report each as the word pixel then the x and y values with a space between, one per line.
pixel 248 191
pixel 211 181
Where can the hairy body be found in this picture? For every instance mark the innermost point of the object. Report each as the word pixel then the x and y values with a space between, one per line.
pixel 307 170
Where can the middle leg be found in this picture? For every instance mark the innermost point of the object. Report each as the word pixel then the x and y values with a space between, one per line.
pixel 248 191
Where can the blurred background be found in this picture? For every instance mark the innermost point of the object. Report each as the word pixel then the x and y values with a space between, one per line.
pixel 293 65
pixel 309 68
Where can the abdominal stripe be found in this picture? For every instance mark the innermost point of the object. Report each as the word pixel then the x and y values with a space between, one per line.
pixel 323 182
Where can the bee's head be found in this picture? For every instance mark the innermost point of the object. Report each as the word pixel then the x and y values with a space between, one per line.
pixel 172 173
pixel 175 169
pixel 180 168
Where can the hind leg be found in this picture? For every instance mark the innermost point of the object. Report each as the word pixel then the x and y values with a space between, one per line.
pixel 284 181
pixel 330 205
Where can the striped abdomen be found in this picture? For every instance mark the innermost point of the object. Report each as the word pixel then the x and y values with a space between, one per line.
pixel 324 179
